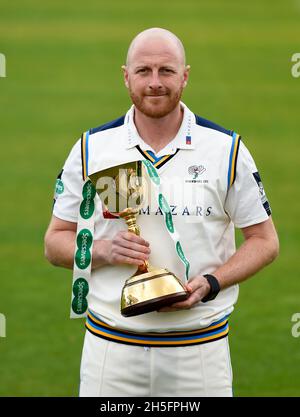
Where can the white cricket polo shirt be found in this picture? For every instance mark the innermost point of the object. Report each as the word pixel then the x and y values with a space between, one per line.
pixel 211 184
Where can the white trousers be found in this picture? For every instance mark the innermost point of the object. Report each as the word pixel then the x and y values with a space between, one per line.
pixel 110 369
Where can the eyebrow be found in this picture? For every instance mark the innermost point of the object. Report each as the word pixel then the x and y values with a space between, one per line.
pixel 146 66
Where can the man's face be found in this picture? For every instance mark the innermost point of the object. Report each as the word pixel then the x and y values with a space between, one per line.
pixel 155 76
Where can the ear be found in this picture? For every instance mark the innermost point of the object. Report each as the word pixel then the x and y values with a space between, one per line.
pixel 125 73
pixel 186 75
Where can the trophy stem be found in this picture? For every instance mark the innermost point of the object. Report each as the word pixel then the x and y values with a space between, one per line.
pixel 129 215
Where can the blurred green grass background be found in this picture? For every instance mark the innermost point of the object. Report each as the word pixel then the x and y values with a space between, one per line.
pixel 63 77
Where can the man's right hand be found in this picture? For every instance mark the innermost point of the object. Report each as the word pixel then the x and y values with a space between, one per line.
pixel 124 248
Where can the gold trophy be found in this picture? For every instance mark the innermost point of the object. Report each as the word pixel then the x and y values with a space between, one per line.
pixel 121 189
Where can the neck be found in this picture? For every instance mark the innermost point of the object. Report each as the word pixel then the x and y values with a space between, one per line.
pixel 158 132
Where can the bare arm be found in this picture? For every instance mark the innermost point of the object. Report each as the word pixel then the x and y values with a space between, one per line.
pixel 124 247
pixel 261 247
pixel 60 242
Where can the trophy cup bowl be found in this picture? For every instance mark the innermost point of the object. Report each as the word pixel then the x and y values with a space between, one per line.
pixel 149 288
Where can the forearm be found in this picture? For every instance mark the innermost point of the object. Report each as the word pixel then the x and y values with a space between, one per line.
pixel 251 256
pixel 60 248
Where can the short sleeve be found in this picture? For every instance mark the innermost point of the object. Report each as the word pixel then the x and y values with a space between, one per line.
pixel 68 188
pixel 246 201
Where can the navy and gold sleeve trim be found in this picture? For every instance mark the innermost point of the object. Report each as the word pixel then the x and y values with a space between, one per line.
pixel 235 143
pixel 85 154
pixel 215 331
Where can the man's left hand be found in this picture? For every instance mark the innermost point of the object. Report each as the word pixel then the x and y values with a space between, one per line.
pixel 198 287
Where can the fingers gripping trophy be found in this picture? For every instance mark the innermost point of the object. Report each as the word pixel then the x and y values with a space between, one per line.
pixel 122 190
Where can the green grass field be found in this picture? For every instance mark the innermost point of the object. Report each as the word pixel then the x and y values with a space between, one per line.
pixel 63 76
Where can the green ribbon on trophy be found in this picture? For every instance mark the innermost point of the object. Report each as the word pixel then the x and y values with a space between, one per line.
pixel 149 288
pixel 165 208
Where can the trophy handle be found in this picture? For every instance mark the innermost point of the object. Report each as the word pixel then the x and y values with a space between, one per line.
pixel 129 215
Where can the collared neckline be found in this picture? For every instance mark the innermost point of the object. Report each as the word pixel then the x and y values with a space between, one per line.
pixel 183 139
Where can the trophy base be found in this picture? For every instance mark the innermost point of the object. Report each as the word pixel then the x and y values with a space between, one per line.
pixel 153 305
pixel 150 291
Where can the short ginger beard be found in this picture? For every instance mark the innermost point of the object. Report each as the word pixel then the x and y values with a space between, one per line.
pixel 156 112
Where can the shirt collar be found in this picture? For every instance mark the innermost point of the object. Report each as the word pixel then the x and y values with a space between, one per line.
pixel 183 139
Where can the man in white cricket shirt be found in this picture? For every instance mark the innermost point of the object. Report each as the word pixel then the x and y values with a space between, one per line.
pixel 180 350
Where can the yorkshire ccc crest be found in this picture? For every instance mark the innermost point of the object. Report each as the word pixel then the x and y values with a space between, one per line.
pixel 196 170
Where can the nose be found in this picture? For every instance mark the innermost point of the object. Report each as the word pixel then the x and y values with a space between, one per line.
pixel 155 83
